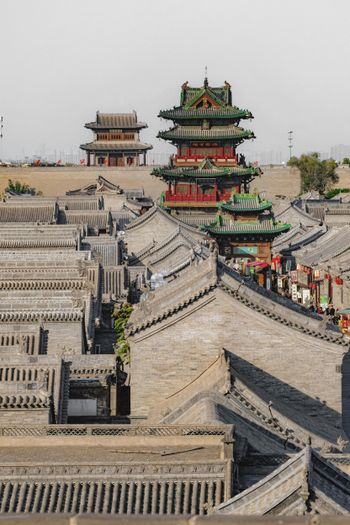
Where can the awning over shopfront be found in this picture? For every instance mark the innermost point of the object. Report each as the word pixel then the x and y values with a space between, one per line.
pixel 258 264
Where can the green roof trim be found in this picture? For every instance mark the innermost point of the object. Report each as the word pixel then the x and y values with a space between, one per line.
pixel 201 92
pixel 162 200
pixel 227 112
pixel 183 173
pixel 246 202
pixel 233 134
pixel 267 227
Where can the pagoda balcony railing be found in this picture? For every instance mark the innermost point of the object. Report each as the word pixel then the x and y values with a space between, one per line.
pixel 192 197
pixel 182 197
pixel 195 159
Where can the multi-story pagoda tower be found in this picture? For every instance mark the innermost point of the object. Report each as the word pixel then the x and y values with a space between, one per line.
pixel 206 176
pixel 206 168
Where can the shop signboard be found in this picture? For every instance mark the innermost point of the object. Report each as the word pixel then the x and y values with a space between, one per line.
pixel 306 296
pixel 245 250
pixel 318 275
pixel 294 276
pixel 295 292
pixel 324 301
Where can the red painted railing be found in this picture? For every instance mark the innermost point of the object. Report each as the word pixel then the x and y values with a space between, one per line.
pixel 183 197
pixel 199 158
pixel 190 197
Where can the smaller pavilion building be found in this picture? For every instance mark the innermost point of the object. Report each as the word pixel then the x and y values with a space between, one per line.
pixel 116 141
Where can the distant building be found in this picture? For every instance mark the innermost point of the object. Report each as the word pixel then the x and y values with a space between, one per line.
pixel 339 152
pixel 117 140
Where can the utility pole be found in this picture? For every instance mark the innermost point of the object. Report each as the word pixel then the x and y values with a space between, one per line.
pixel 290 141
pixel 1 133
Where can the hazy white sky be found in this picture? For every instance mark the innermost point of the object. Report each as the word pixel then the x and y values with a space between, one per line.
pixel 61 60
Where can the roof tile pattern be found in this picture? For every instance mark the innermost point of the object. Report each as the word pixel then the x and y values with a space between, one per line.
pixel 302 484
pixel 116 121
pixel 100 145
pixel 27 213
pixel 196 133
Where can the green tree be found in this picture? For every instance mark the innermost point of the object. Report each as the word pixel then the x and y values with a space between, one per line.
pixel 346 161
pixel 19 187
pixel 121 317
pixel 315 174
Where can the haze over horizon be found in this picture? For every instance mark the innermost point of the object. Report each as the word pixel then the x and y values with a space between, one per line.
pixel 62 61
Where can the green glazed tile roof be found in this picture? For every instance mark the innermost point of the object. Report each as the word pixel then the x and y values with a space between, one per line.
pixel 215 133
pixel 230 112
pixel 246 203
pixel 221 95
pixel 205 90
pixel 226 227
pixel 168 171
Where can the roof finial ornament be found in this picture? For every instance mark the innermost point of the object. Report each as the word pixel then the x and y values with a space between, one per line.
pixel 206 76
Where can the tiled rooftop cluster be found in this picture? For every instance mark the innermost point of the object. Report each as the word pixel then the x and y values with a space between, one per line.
pixel 231 381
pixel 61 265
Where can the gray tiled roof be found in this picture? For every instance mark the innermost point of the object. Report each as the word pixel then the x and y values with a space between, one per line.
pixel 116 121
pixel 110 145
pixel 303 475
pixel 335 242
pixel 28 213
pixel 296 238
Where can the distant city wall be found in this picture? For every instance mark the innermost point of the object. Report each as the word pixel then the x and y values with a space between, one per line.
pixel 56 181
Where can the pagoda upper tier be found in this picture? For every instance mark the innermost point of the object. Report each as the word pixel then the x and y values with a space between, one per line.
pixel 206 126
pixel 213 103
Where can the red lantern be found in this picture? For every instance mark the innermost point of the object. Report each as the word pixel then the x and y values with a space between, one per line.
pixel 338 280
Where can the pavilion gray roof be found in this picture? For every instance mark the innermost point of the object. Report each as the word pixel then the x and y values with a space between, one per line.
pixel 102 146
pixel 307 483
pixel 116 121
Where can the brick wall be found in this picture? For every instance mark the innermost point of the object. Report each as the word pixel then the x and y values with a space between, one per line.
pixel 282 362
